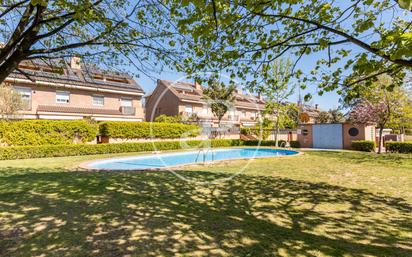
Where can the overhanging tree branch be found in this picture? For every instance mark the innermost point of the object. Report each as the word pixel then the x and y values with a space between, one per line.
pixel 365 46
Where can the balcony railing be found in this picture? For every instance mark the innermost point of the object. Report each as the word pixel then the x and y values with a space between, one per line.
pixel 233 117
pixel 127 110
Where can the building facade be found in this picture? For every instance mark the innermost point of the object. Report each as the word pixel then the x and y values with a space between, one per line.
pixel 334 136
pixel 187 99
pixel 74 90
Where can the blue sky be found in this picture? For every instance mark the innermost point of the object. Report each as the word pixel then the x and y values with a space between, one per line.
pixel 326 101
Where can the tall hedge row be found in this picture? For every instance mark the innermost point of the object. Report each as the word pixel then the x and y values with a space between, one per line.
pixel 66 132
pixel 46 132
pixel 116 129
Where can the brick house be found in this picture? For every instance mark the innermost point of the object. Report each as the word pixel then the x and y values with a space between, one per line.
pixel 187 99
pixel 62 90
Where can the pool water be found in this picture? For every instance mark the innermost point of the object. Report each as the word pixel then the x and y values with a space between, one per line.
pixel 164 160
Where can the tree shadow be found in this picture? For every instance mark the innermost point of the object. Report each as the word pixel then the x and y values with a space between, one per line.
pixel 387 159
pixel 60 213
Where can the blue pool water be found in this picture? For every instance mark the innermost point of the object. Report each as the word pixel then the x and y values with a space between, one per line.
pixel 163 160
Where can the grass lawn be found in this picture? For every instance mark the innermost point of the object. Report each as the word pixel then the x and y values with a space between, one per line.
pixel 317 204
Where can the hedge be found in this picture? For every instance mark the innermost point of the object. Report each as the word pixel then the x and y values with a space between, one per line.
pixel 398 147
pixel 46 132
pixel 27 152
pixel 363 145
pixel 294 144
pixel 129 130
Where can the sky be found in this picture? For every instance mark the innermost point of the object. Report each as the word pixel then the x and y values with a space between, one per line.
pixel 329 100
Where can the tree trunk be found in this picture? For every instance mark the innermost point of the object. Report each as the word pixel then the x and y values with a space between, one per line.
pixel 218 127
pixel 276 131
pixel 380 140
pixel 9 66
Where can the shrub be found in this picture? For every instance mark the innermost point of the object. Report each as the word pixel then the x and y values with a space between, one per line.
pixel 245 131
pixel 399 147
pixel 129 130
pixel 26 152
pixel 281 143
pixel 169 119
pixel 294 144
pixel 46 132
pixel 363 145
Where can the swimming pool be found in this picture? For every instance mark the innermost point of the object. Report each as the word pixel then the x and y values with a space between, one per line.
pixel 164 160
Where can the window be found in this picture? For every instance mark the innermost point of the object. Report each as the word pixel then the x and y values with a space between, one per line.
pixel 25 94
pixel 305 132
pixel 189 109
pixel 98 100
pixel 126 102
pixel 62 97
pixel 353 132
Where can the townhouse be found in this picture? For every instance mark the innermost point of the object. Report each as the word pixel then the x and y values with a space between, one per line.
pixel 75 90
pixel 187 99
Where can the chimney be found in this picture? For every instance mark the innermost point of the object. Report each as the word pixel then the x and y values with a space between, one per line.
pixel 75 63
pixel 316 106
pixel 260 96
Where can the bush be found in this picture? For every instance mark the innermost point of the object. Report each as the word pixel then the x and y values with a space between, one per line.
pixel 169 119
pixel 46 132
pixel 363 145
pixel 294 144
pixel 26 152
pixel 245 131
pixel 129 130
pixel 398 147
pixel 281 143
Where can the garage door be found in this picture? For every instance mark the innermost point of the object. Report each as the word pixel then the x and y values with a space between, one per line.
pixel 327 136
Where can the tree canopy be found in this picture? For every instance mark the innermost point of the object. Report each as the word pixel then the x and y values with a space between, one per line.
pixel 110 32
pixel 343 37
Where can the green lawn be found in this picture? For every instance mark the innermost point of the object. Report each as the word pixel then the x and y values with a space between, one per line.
pixel 317 204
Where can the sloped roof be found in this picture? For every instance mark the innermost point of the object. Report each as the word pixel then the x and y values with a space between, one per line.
pixel 60 72
pixel 194 94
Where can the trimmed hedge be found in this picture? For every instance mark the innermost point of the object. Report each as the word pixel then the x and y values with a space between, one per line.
pixel 294 144
pixel 363 145
pixel 27 152
pixel 129 130
pixel 281 143
pixel 46 132
pixel 398 147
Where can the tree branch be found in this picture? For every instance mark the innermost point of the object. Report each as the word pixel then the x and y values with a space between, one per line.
pixel 12 7
pixel 350 38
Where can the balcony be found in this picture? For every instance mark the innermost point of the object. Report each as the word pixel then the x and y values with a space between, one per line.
pixel 233 117
pixel 127 110
pixel 190 116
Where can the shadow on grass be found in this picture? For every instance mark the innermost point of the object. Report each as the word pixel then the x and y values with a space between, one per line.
pixel 58 213
pixel 387 159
